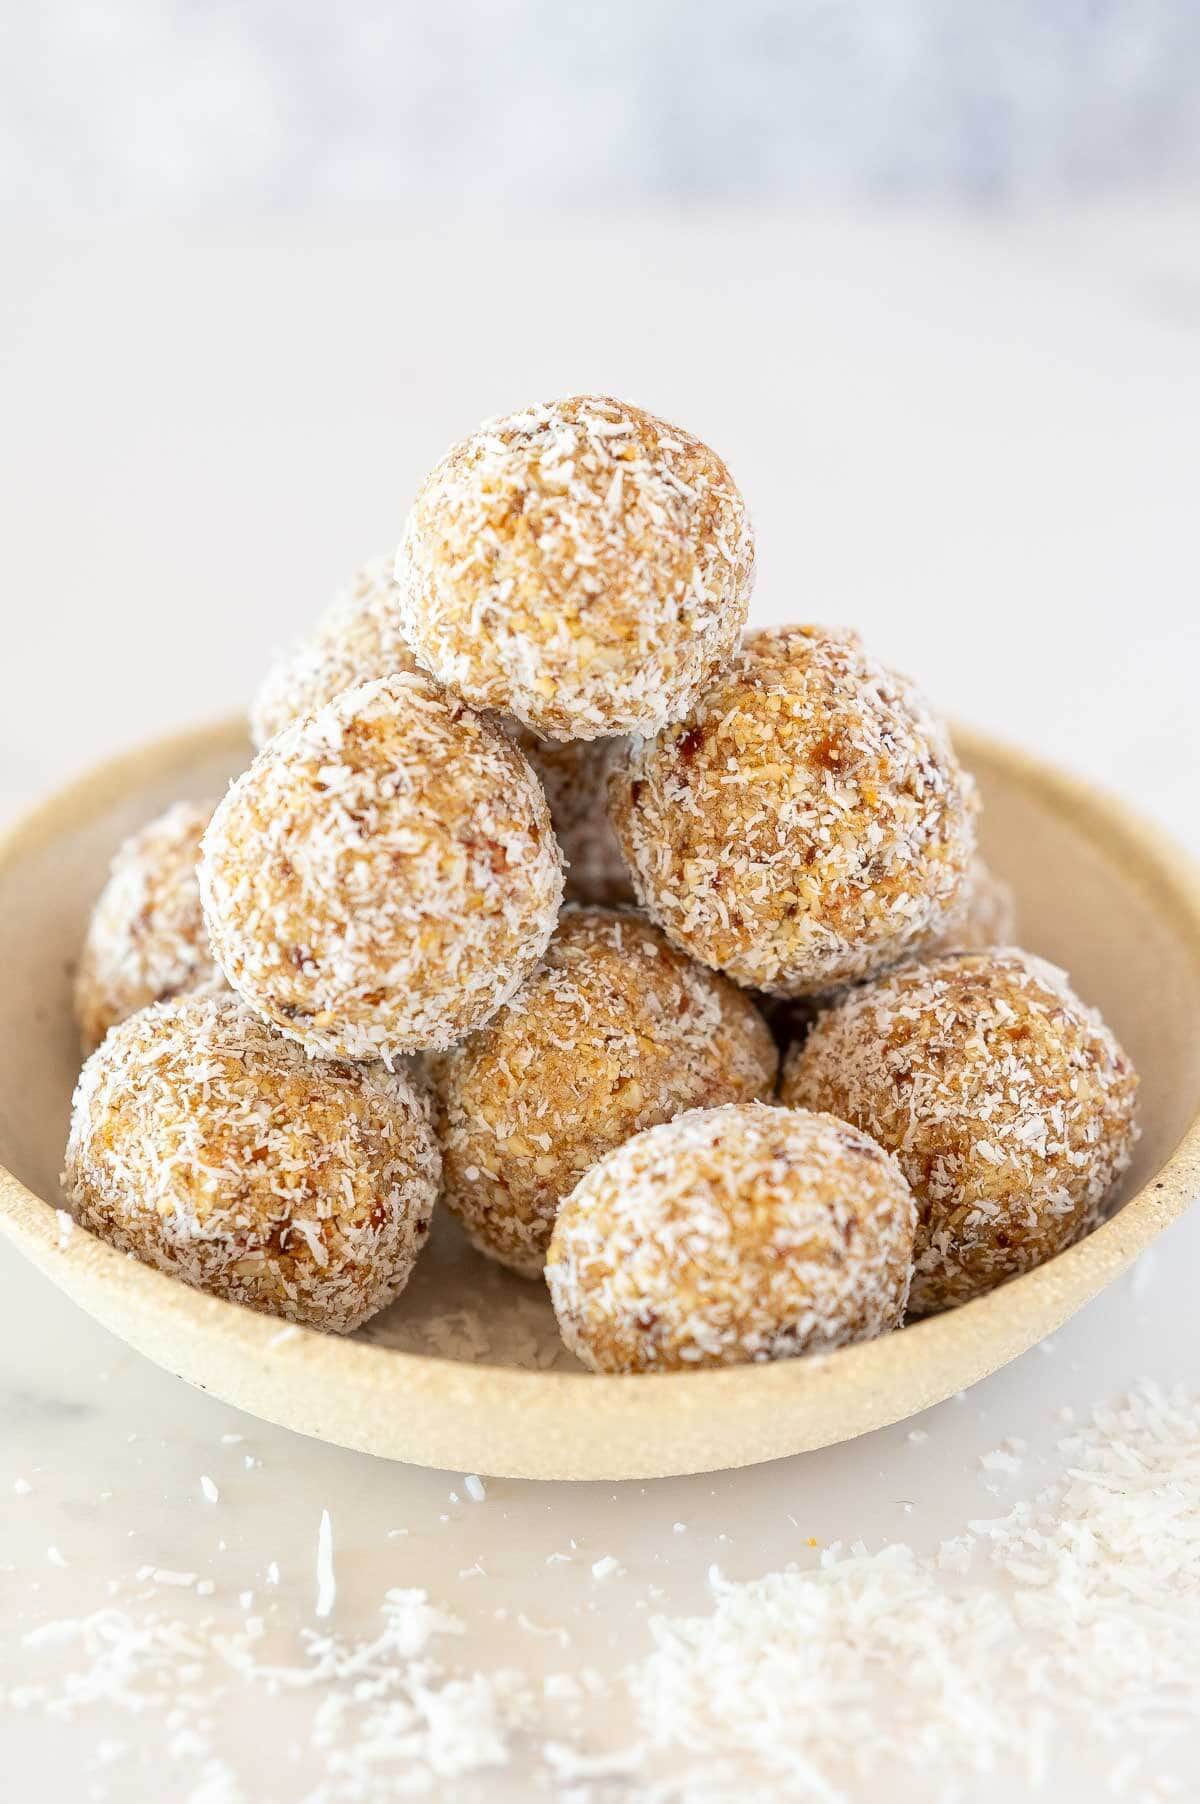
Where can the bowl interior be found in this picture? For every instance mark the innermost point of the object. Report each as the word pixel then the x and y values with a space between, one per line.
pixel 1096 893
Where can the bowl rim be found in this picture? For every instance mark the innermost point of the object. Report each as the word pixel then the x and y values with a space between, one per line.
pixel 225 1347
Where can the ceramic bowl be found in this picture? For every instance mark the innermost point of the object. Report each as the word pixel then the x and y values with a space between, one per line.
pixel 465 1371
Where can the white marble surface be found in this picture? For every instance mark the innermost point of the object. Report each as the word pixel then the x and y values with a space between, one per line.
pixel 979 444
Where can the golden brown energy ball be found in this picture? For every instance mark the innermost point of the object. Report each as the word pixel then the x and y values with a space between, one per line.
pixel 146 940
pixel 573 773
pixel 384 875
pixel 580 565
pixel 357 639
pixel 210 1147
pixel 616 1030
pixel 806 826
pixel 732 1234
pixel 1008 1103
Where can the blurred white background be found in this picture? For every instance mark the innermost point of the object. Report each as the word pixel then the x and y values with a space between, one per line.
pixel 171 108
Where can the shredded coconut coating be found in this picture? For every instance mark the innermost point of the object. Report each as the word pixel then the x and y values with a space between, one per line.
pixel 807 825
pixel 574 773
pixel 384 875
pixel 212 1148
pixel 1008 1103
pixel 732 1234
pixel 581 565
pixel 146 940
pixel 615 1032
pixel 357 639
pixel 987 917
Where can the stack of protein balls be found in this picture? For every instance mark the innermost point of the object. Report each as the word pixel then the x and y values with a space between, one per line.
pixel 352 987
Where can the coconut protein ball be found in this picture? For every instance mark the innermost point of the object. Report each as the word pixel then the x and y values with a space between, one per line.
pixel 806 825
pixel 581 565
pixel 1007 1102
pixel 214 1149
pixel 616 1030
pixel 146 940
pixel 357 639
pixel 384 875
pixel 732 1234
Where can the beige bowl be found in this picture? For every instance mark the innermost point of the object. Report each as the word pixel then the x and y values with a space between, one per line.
pixel 465 1371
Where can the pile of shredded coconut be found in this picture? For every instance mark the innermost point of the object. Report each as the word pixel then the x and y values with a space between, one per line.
pixel 581 565
pixel 1071 1622
pixel 384 1718
pixel 1078 1610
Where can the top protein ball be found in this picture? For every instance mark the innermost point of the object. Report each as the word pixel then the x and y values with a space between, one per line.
pixel 580 565
pixel 806 826
pixel 357 639
pixel 384 875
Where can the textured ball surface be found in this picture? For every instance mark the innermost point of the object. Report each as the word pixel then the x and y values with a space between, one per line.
pixel 384 875
pixel 615 1031
pixel 574 774
pixel 212 1148
pixel 807 824
pixel 985 917
pixel 146 939
pixel 732 1234
pixel 1008 1103
pixel 580 565
pixel 356 640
